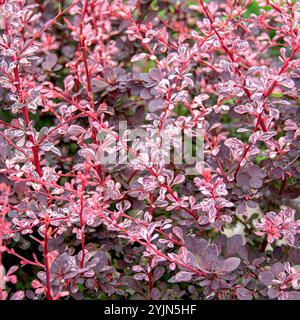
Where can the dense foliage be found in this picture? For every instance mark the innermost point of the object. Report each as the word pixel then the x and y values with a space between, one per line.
pixel 91 211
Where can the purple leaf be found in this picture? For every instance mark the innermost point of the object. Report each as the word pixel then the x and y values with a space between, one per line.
pixel 266 277
pixel 243 294
pixel 183 276
pixel 231 264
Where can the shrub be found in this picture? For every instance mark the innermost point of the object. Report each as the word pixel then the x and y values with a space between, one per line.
pixel 96 200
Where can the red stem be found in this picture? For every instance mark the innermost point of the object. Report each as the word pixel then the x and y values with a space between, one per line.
pixel 82 223
pixel 47 266
pixel 150 279
pixel 40 173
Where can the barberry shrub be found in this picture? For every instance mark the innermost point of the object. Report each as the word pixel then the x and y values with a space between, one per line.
pixel 88 210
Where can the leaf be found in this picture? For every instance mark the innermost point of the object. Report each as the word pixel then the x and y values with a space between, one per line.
pixel 211 253
pixel 243 252
pixel 56 151
pixel 288 83
pixel 236 147
pixel 266 277
pixel 158 273
pixel 47 146
pixel 30 50
pixel 50 61
pixel 138 268
pixel 267 136
pixel 178 179
pixel 243 294
pixel 181 96
pixel 242 179
pixel 255 183
pixel 139 57
pixel 273 293
pixel 178 232
pixel 231 264
pixel 19 295
pixel 277 268
pixel 241 109
pixel 155 74
pixel 233 244
pixel 155 294
pixel 87 152
pixel 155 104
pixel 12 270
pixel 75 130
pixel 200 98
pixel 69 83
pixel 98 85
pixel 183 276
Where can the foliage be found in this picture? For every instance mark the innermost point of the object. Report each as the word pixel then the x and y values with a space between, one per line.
pixel 74 224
